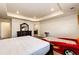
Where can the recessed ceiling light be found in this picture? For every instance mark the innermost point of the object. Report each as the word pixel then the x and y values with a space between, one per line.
pixel 17 12
pixel 52 9
pixel 34 17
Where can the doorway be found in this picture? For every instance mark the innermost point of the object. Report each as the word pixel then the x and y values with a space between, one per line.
pixel 5 30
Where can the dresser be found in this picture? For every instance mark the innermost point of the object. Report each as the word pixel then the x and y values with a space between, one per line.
pixel 24 33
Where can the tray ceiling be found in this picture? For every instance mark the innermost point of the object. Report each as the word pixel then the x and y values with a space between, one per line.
pixel 38 11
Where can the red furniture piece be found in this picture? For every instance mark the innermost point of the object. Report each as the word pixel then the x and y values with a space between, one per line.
pixel 63 47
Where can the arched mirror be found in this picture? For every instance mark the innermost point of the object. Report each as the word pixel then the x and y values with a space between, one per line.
pixel 24 27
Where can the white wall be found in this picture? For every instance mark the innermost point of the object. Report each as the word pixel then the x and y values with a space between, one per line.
pixel 0 29
pixel 16 26
pixel 61 27
pixel 37 27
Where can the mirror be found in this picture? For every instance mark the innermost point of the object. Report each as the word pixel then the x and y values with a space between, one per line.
pixel 24 27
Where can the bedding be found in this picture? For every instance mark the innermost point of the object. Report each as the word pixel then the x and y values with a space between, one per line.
pixel 25 45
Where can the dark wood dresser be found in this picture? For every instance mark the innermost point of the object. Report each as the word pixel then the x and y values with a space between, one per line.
pixel 24 33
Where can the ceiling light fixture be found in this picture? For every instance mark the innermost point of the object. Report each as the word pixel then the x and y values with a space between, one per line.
pixel 52 9
pixel 17 12
pixel 34 17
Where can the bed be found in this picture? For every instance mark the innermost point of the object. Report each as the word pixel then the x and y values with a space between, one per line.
pixel 26 45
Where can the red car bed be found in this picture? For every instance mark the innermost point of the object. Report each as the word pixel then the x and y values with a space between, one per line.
pixel 65 46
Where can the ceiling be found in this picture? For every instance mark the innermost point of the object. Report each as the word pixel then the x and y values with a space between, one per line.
pixel 37 11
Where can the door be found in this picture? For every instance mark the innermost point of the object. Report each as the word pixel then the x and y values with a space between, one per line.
pixel 5 30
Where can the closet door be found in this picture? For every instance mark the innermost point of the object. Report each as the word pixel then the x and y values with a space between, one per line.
pixel 5 30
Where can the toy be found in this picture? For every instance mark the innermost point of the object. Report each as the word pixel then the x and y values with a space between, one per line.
pixel 65 46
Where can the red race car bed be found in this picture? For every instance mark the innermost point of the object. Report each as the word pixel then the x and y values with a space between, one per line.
pixel 65 46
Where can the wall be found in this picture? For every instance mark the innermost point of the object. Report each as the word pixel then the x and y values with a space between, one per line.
pixel 0 29
pixel 16 26
pixel 37 27
pixel 61 27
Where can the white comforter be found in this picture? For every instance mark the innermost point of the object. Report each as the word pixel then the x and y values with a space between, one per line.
pixel 23 45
